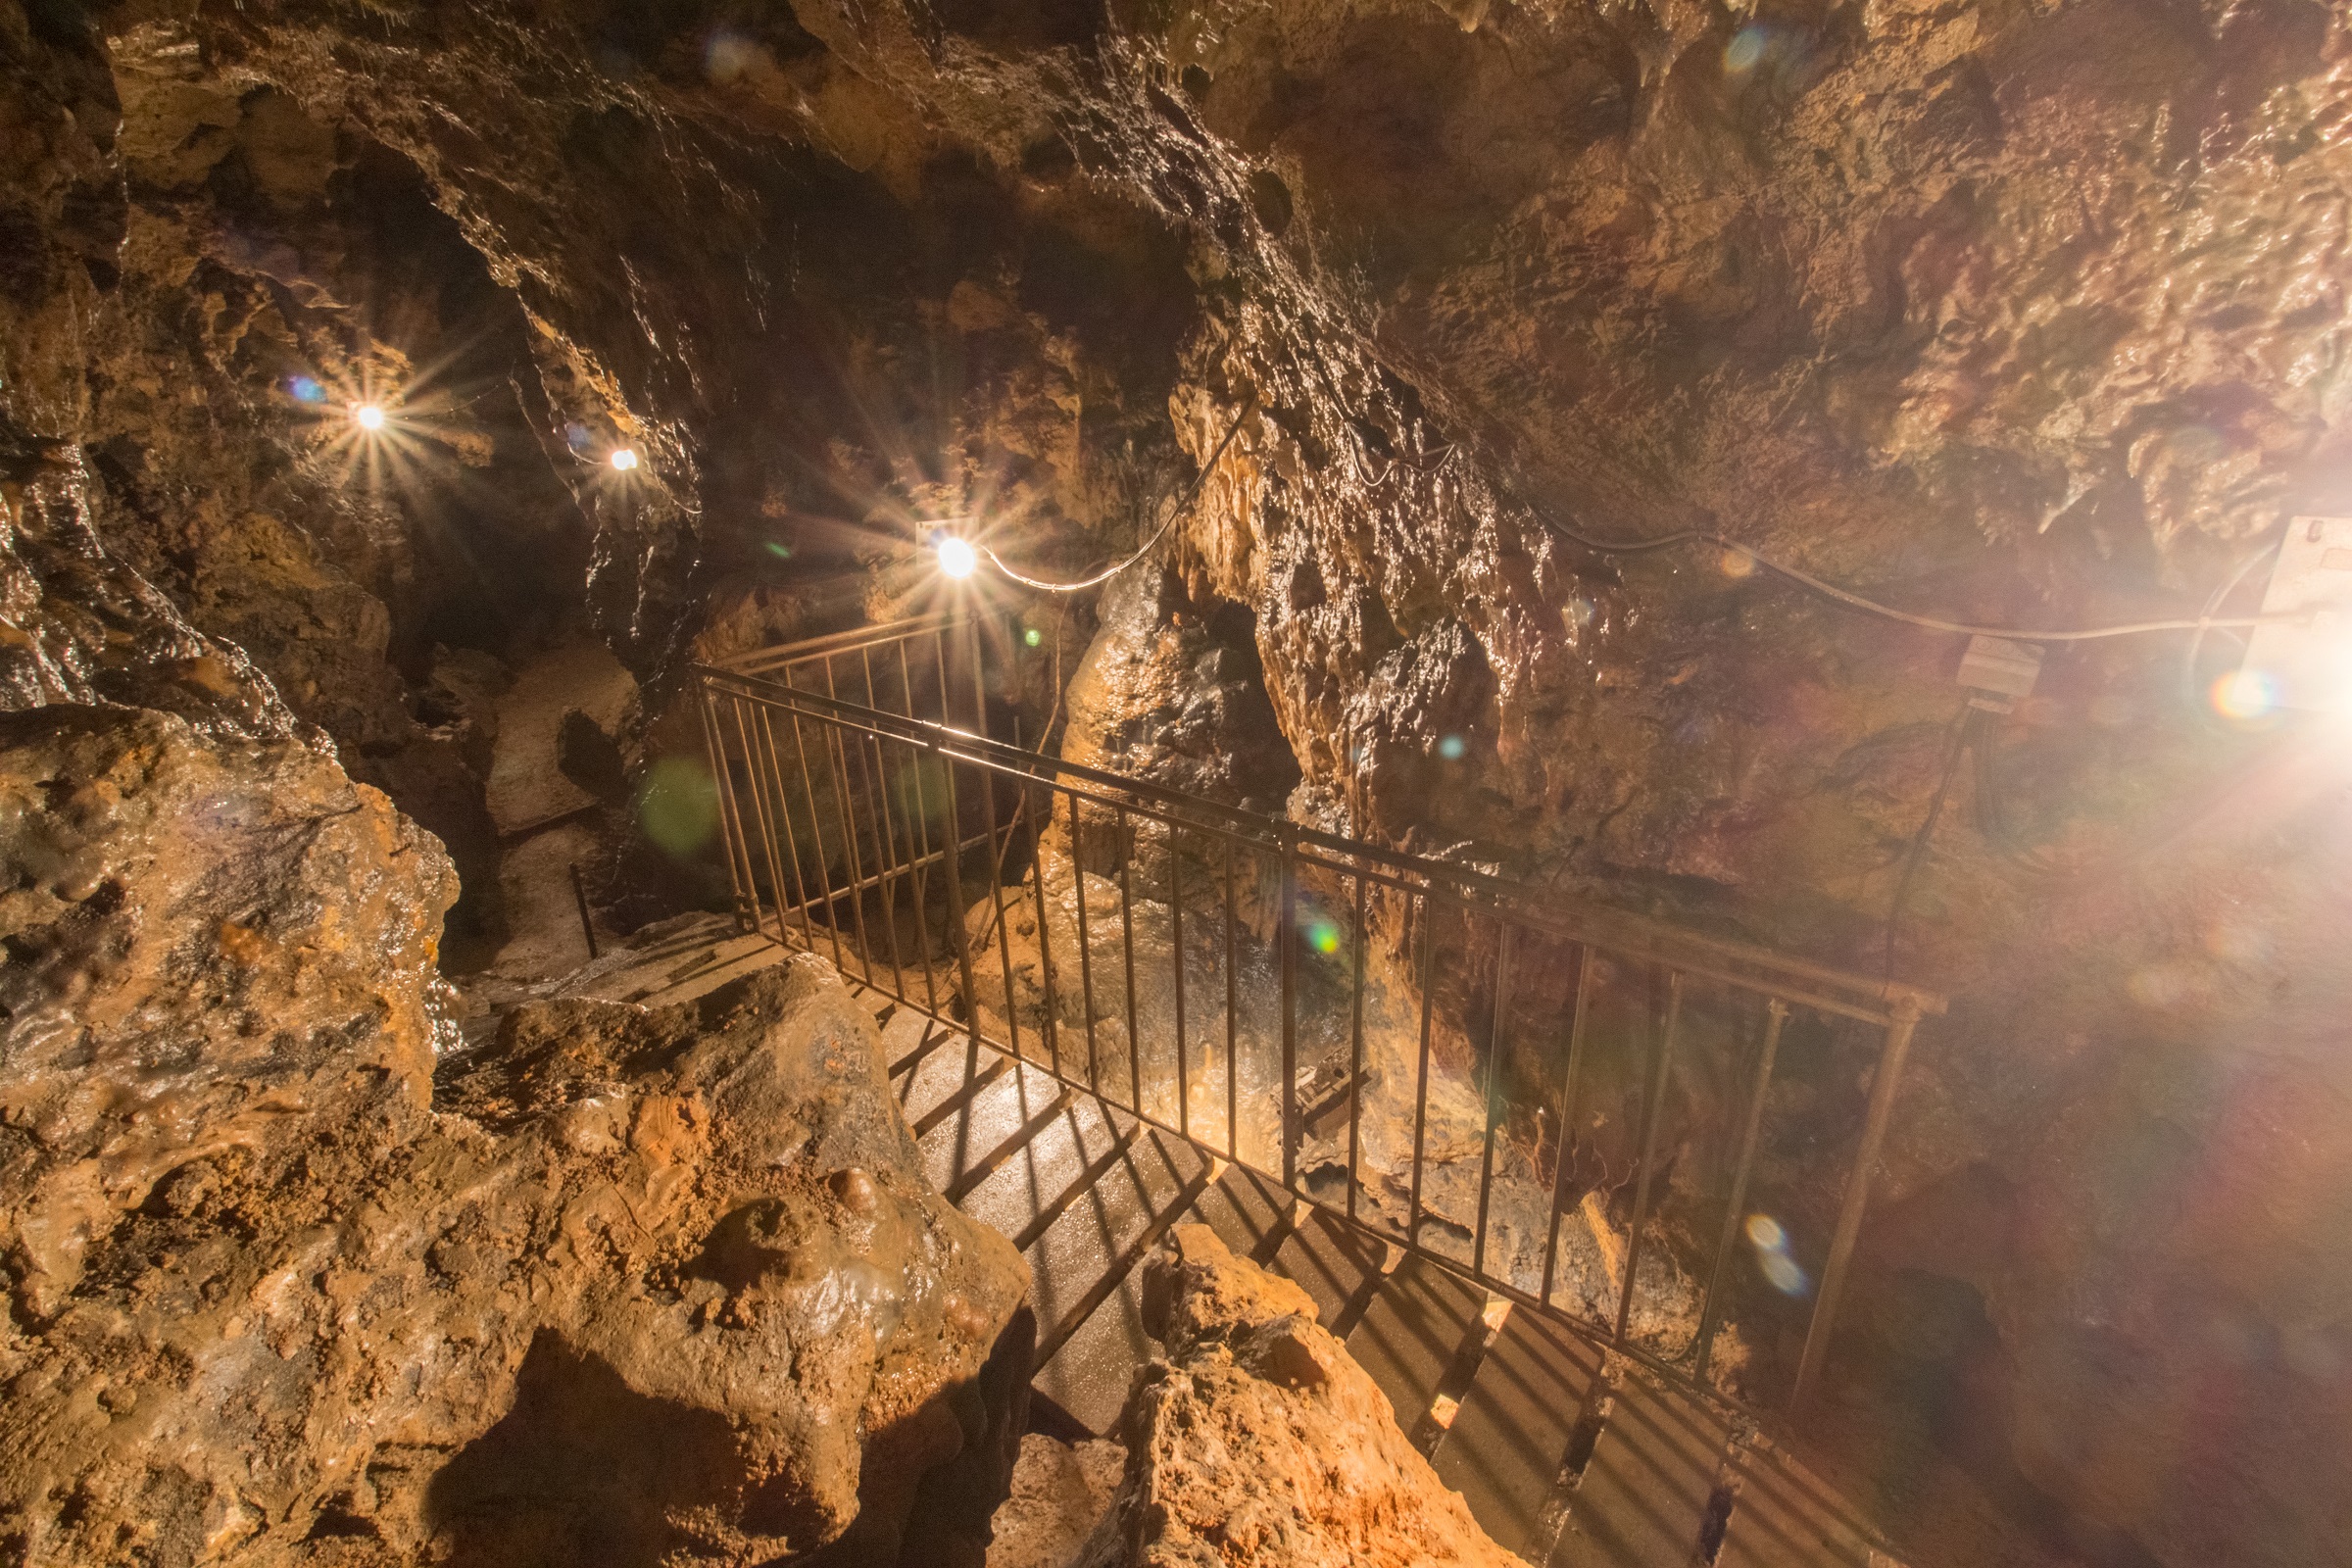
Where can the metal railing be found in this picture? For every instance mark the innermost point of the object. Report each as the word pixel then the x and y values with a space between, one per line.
pixel 1474 1071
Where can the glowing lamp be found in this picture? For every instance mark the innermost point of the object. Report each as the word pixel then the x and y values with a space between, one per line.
pixel 957 557
pixel 368 416
pixel 623 460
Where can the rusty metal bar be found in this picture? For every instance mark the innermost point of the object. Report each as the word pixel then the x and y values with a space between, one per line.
pixel 1776 1014
pixel 1044 941
pixel 1135 1069
pixel 724 789
pixel 1498 1040
pixel 1232 1058
pixel 1286 937
pixel 1429 965
pixel 958 911
pixel 1355 1049
pixel 1568 1086
pixel 1857 1195
pixel 1086 964
pixel 1661 1069
pixel 767 837
pixel 1176 954
pixel 792 842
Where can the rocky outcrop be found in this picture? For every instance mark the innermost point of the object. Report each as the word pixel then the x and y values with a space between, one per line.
pixel 1259 1439
pixel 652 1286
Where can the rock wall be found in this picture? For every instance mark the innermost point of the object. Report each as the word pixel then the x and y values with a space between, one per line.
pixel 643 1286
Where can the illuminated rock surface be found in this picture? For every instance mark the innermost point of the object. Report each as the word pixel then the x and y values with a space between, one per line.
pixel 632 1285
pixel 1259 1440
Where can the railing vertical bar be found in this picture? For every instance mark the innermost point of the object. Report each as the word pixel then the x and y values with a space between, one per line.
pixel 1045 945
pixel 958 911
pixel 1176 954
pixel 915 806
pixel 979 684
pixel 837 758
pixel 1126 845
pixel 792 839
pixel 816 831
pixel 1776 1016
pixel 886 845
pixel 919 833
pixel 1568 1088
pixel 768 839
pixel 922 817
pixel 1857 1196
pixel 730 831
pixel 1653 1113
pixel 1286 937
pixel 1429 975
pixel 1355 1049
pixel 1233 1055
pixel 1499 1037
pixel 1086 961
pixel 994 864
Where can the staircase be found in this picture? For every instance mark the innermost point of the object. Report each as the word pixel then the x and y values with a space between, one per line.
pixel 1110 1008
pixel 1567 1455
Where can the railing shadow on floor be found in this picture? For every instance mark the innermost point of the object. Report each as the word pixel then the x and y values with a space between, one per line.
pixel 1477 1072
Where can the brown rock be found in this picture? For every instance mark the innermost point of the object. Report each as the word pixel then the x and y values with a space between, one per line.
pixel 596 1300
pixel 1261 1439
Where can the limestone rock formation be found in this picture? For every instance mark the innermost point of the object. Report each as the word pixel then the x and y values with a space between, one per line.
pixel 652 1286
pixel 1259 1439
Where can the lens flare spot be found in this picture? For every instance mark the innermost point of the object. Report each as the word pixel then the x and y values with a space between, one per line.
pixel 678 806
pixel 1783 1274
pixel 780 552
pixel 1033 637
pixel 368 416
pixel 2233 941
pixel 1452 747
pixel 1323 936
pixel 1746 49
pixel 2245 697
pixel 727 57
pixel 303 389
pixel 1766 1233
pixel 1738 563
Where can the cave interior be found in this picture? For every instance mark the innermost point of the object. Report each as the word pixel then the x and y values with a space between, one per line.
pixel 1856 493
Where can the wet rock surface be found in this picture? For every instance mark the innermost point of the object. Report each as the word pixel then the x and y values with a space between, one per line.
pixel 636 1285
pixel 1261 1439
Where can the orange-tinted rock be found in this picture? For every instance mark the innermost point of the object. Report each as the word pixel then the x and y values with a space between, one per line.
pixel 1259 1440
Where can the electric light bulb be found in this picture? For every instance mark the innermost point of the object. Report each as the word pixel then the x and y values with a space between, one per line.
pixel 623 458
pixel 957 557
pixel 368 417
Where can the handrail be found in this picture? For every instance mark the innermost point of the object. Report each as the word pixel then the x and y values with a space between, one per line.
pixel 812 825
pixel 1599 923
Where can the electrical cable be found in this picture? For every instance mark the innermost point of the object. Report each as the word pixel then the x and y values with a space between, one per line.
pixel 1182 505
pixel 1627 547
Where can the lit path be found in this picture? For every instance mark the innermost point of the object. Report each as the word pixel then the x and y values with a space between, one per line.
pixel 1567 1455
